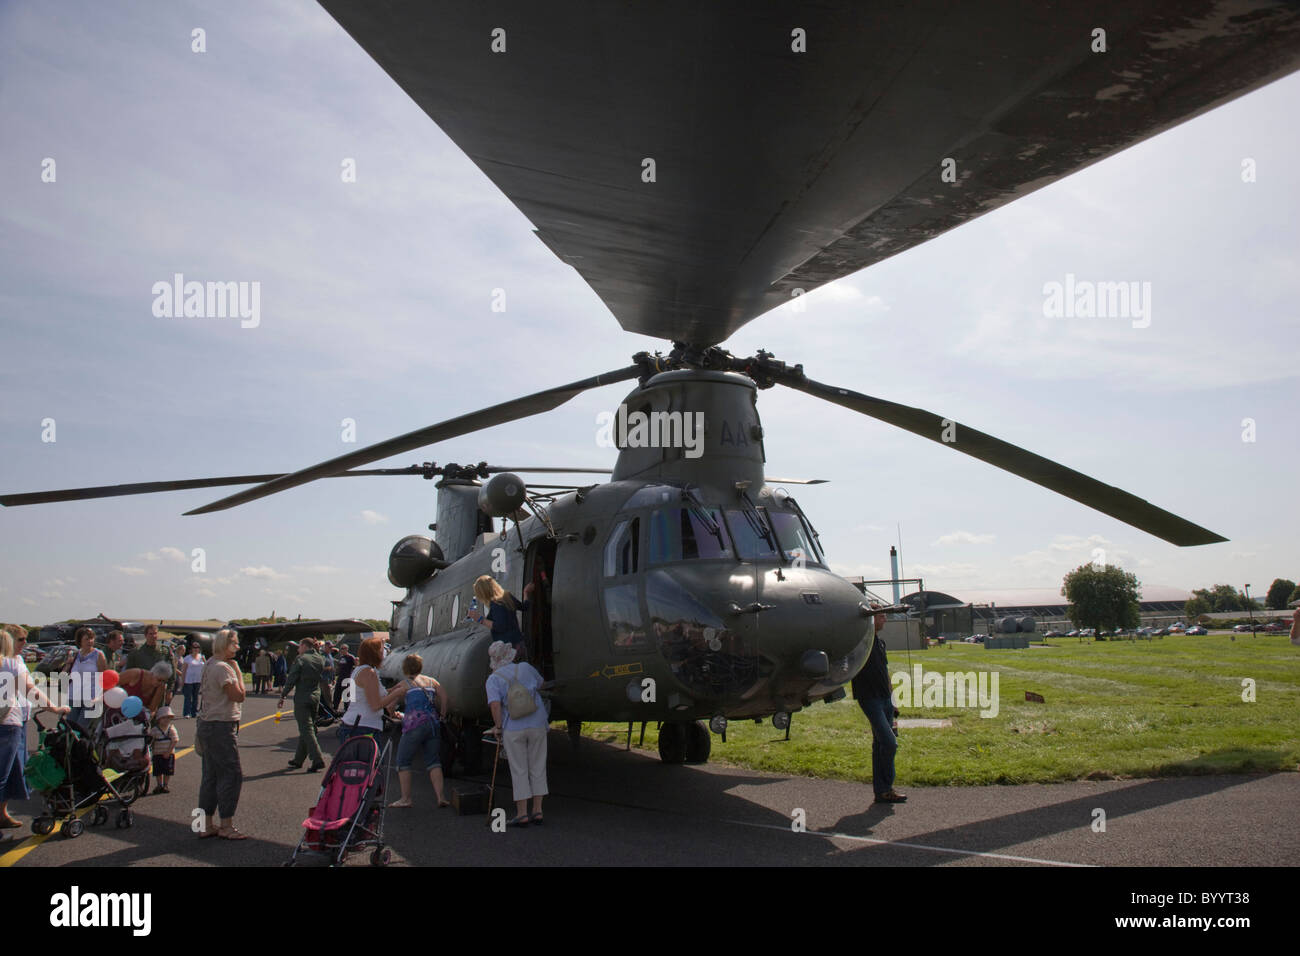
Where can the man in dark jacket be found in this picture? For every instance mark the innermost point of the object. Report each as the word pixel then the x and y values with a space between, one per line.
pixel 874 693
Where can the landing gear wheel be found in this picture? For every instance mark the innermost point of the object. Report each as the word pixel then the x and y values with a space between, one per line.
pixel 98 817
pixel 672 742
pixel 72 828
pixel 699 742
pixel 381 856
pixel 43 826
pixel 125 819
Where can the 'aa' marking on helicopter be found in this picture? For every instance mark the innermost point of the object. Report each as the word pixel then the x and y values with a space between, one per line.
pixel 618 670
pixel 737 438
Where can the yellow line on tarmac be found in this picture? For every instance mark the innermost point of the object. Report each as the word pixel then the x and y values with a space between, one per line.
pixel 33 841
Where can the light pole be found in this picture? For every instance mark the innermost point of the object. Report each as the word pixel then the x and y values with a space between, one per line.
pixel 1250 609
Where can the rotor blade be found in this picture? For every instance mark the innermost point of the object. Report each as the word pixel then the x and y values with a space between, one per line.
pixel 795 481
pixel 184 484
pixel 494 469
pixel 1105 498
pixel 452 428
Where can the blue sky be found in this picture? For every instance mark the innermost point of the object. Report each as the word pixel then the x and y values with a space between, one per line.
pixel 376 306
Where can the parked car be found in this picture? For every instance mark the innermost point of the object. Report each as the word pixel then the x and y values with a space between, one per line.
pixel 1243 628
pixel 1196 629
pixel 55 657
pixel 1277 627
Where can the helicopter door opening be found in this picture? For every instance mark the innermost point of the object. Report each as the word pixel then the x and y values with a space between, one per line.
pixel 539 570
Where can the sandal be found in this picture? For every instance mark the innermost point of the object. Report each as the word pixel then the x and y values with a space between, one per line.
pixel 519 822
pixel 9 823
pixel 537 819
pixel 207 834
pixel 232 834
pixel 400 804
pixel 443 803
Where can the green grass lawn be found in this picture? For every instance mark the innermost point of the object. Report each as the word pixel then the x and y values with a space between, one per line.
pixel 1171 706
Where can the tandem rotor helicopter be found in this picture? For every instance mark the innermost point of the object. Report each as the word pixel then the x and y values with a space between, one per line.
pixel 792 146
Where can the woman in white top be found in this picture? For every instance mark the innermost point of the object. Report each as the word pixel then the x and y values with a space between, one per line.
pixel 17 694
pixel 84 666
pixel 365 713
pixel 191 678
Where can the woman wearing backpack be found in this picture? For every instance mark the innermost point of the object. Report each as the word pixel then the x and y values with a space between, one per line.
pixel 518 710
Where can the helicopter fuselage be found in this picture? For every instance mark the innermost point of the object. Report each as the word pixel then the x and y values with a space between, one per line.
pixel 684 588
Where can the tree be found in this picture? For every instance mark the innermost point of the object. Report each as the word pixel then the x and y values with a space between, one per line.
pixel 1224 597
pixel 1102 598
pixel 1195 607
pixel 1279 592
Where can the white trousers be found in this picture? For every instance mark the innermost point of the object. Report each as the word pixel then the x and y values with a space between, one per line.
pixel 526 752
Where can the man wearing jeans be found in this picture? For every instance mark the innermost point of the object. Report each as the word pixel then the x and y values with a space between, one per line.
pixel 873 691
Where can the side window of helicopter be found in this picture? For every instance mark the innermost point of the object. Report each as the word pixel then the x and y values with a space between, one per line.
pixel 622 551
pixel 686 534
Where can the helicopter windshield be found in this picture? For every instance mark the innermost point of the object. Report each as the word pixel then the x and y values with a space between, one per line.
pixel 752 544
pixel 685 534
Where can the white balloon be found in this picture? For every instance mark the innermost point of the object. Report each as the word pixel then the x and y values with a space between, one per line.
pixel 114 696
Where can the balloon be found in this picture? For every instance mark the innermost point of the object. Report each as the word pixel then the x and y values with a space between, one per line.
pixel 132 706
pixel 110 679
pixel 114 697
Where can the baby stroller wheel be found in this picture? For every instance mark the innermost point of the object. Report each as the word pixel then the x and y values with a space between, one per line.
pixel 98 817
pixel 141 786
pixel 72 828
pixel 381 856
pixel 125 819
pixel 43 826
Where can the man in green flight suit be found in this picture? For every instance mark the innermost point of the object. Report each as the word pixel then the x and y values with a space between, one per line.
pixel 304 680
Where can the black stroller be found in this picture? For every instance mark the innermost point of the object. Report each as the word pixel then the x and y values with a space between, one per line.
pixel 67 772
pixel 349 813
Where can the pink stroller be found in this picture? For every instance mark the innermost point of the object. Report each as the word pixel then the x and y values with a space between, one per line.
pixel 349 813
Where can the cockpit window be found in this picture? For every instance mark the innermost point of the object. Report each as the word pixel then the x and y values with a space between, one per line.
pixel 747 528
pixel 623 548
pixel 794 537
pixel 651 496
pixel 685 534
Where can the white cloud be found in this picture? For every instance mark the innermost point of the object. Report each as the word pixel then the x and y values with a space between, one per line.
pixel 262 572
pixel 51 595
pixel 29 602
pixel 176 554
pixel 1072 542
pixel 373 517
pixel 131 572
pixel 207 592
pixel 150 555
pixel 966 537
pixel 317 569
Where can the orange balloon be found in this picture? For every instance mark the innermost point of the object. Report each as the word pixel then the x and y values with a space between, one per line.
pixel 110 679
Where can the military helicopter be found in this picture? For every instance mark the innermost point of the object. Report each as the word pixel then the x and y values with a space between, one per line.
pixel 795 146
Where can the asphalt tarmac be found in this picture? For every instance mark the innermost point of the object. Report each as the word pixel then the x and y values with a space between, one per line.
pixel 609 806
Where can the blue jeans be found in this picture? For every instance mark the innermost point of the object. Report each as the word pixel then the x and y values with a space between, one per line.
pixel 880 712
pixel 191 692
pixel 422 738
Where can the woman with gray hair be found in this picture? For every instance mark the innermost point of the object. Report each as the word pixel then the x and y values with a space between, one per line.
pixel 519 711
pixel 217 738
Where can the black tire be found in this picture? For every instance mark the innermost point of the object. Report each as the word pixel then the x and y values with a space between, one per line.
pixel 125 819
pixel 98 817
pixel 43 826
pixel 672 742
pixel 72 828
pixel 381 856
pixel 699 742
